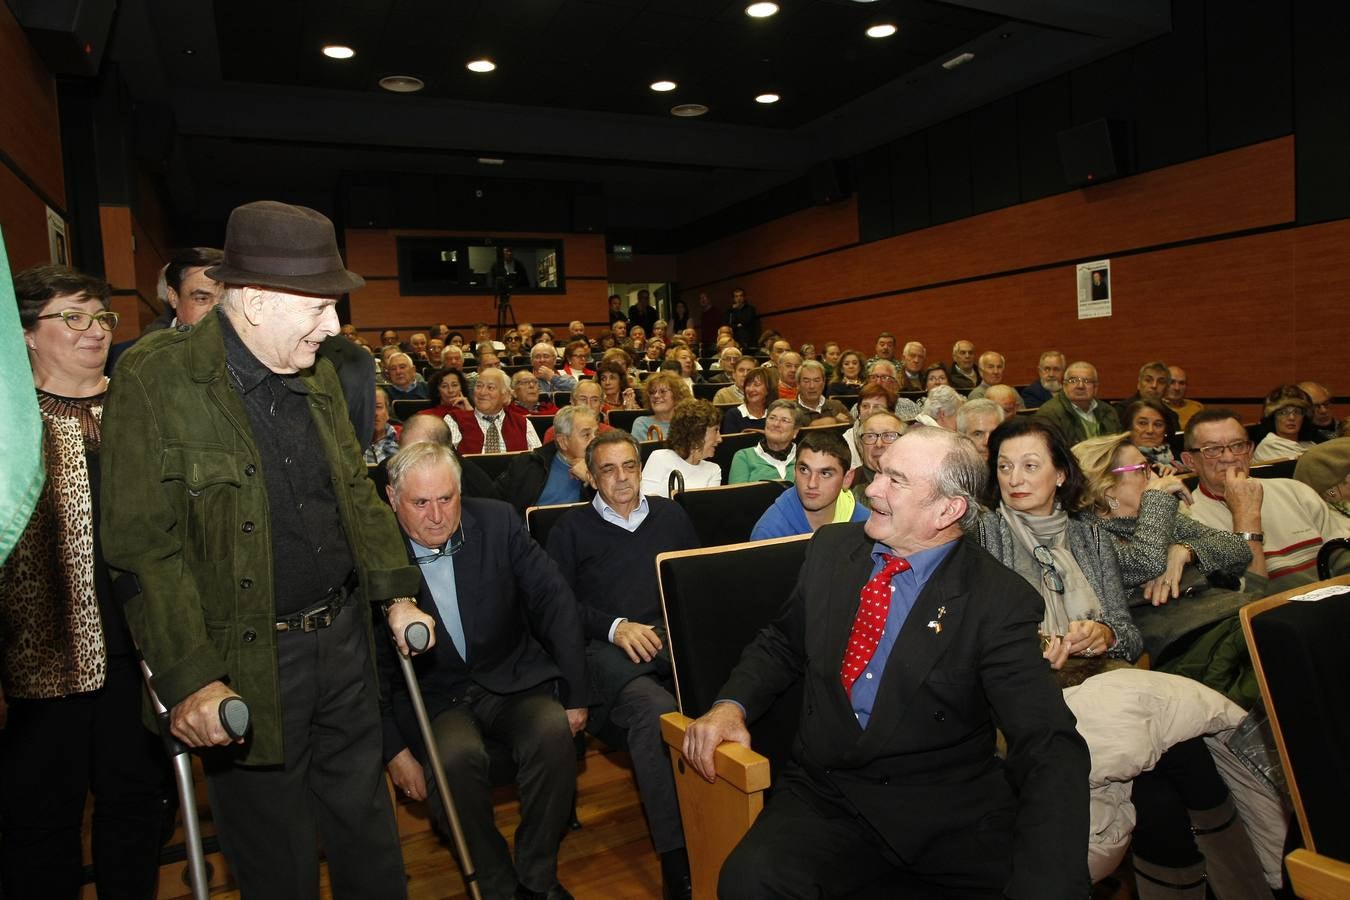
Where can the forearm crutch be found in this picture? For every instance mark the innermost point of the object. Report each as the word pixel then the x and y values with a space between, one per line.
pixel 417 636
pixel 234 719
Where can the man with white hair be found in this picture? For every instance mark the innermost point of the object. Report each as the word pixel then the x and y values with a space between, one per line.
pixel 401 379
pixel 963 374
pixel 725 365
pixel 555 472
pixel 941 406
pixel 991 365
pixel 976 419
pixel 509 666
pixel 269 594
pixel 494 425
pixel 913 358
pixel 1076 411
pixel 910 644
pixel 544 362
pixel 811 393
pixel 883 372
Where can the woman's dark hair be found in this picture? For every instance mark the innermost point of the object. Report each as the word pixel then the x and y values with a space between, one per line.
pixel 680 318
pixel 614 368
pixel 1289 395
pixel 33 288
pixel 768 375
pixel 689 426
pixel 1068 493
pixel 935 367
pixel 1133 410
pixel 434 386
pixel 839 366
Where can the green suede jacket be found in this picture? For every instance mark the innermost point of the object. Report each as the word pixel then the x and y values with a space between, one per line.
pixel 184 509
pixel 1057 409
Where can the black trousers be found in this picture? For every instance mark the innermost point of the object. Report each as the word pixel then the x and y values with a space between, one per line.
pixel 329 793
pixel 533 725
pixel 809 843
pixel 52 754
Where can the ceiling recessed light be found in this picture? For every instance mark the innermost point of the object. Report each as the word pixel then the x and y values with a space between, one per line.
pixel 662 86
pixel 884 30
pixel 959 60
pixel 761 10
pixel 688 110
pixel 767 98
pixel 188 51
pixel 402 84
pixel 481 65
pixel 338 51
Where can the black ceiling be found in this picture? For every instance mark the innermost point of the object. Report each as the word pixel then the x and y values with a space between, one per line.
pixel 599 55
pixel 260 112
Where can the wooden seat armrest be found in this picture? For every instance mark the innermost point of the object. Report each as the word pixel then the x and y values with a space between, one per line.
pixel 741 767
pixel 1318 877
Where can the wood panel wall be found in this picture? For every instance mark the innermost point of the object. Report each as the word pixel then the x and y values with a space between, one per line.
pixel 30 140
pixel 133 254
pixel 1208 272
pixel 373 253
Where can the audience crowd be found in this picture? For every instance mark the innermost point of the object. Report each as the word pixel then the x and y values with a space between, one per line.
pixel 1141 525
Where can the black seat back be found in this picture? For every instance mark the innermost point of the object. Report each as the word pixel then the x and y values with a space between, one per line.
pixel 716 600
pixel 728 513
pixel 404 409
pixel 731 445
pixel 623 419
pixel 539 520
pixel 494 464
pixel 1304 674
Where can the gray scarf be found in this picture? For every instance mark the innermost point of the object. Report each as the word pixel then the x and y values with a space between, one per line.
pixel 1077 600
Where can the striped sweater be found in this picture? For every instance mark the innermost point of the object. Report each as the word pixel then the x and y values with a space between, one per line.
pixel 1295 522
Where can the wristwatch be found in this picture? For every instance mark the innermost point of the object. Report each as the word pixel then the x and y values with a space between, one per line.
pixel 385 606
pixel 1258 536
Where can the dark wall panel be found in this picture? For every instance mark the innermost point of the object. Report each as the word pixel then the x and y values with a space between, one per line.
pixel 1248 71
pixel 993 156
pixel 1103 90
pixel 949 170
pixel 1042 112
pixel 872 178
pixel 1169 85
pixel 1322 82
pixel 909 183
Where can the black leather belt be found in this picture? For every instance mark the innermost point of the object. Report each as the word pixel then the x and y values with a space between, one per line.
pixel 323 613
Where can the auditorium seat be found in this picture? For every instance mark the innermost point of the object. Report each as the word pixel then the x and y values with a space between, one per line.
pixel 539 520
pixel 727 514
pixel 706 391
pixel 1303 672
pixel 404 409
pixel 624 418
pixel 541 424
pixel 731 444
pixel 494 464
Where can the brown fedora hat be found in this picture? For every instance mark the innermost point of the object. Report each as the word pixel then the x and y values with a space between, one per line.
pixel 291 248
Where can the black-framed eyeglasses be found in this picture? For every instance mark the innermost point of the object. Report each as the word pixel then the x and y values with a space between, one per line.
pixel 886 437
pixel 1048 570
pixel 1237 448
pixel 1079 380
pixel 452 546
pixel 77 320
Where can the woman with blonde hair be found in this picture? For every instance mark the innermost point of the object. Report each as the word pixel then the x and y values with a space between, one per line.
pixel 665 390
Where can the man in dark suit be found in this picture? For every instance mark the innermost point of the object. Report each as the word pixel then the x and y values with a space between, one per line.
pixel 912 644
pixel 488 676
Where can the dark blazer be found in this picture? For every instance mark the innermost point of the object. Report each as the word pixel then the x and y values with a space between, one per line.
pixel 520 623
pixel 524 480
pixel 926 764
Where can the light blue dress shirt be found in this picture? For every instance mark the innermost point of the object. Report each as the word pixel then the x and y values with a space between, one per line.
pixel 440 576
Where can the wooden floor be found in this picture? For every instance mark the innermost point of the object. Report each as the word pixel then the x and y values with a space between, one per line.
pixel 609 858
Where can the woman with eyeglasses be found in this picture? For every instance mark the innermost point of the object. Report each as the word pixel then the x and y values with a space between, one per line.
pixel 848 374
pixel 1183 577
pixel 1186 830
pixel 68 667
pixel 875 434
pixel 773 457
pixel 759 387
pixel 1147 429
pixel 1289 427
pixel 664 390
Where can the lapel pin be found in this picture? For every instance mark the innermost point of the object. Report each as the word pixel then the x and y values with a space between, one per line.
pixel 936 624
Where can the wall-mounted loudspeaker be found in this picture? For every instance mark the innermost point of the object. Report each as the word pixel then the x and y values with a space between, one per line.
pixel 1094 152
pixel 69 35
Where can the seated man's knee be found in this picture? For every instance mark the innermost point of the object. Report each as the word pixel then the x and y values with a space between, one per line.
pixel 749 873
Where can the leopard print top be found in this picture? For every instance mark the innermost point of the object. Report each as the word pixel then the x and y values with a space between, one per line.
pixel 51 631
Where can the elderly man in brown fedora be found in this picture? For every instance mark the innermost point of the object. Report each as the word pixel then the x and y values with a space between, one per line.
pixel 249 547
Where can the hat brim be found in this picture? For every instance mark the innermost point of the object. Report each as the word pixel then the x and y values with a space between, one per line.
pixel 324 284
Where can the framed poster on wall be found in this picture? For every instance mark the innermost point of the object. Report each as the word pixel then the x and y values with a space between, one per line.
pixel 58 238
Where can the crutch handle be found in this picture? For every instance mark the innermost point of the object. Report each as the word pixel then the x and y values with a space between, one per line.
pixel 234 717
pixel 417 636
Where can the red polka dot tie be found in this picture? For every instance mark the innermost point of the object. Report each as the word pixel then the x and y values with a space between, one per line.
pixel 870 621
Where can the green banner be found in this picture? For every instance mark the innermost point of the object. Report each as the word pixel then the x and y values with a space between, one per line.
pixel 20 423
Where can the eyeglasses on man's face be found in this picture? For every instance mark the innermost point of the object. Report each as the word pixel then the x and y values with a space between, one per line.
pixel 1214 451
pixel 886 437
pixel 77 320
pixel 1079 380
